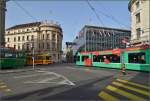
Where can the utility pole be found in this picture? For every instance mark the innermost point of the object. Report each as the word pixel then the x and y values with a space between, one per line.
pixel 2 21
pixel 33 56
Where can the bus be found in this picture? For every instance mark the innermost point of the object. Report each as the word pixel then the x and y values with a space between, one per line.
pixel 134 58
pixel 39 59
pixel 11 58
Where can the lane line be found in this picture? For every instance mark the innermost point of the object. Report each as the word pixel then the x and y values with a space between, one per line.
pixel 4 86
pixel 126 94
pixel 132 88
pixel 42 81
pixel 107 96
pixel 1 83
pixel 25 76
pixel 7 90
pixel 132 83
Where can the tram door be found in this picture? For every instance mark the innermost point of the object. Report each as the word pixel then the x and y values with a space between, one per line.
pixel 87 60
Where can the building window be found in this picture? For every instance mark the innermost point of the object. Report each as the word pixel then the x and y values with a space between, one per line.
pixel 22 46
pixel 15 46
pixel 14 39
pixel 32 44
pixel 138 19
pixel 43 36
pixel 18 47
pixel 32 37
pixel 47 36
pixel 27 38
pixel 27 30
pixel 18 38
pixel 7 39
pixel 43 45
pixel 22 38
pixel 137 4
pixel 8 45
pixel 138 33
pixel 48 45
pixel 27 46
pixel 53 37
pixel 39 46
pixel 19 30
pixel 32 29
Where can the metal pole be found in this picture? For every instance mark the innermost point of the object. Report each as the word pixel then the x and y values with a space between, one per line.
pixel 85 38
pixel 33 57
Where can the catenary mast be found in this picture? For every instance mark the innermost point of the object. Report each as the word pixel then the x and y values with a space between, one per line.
pixel 2 21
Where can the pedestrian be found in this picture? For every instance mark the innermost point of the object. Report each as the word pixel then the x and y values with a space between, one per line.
pixel 123 69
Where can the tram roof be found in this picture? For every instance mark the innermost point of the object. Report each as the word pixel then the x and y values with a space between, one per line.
pixel 118 51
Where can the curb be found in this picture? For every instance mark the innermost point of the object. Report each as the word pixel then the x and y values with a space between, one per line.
pixel 16 71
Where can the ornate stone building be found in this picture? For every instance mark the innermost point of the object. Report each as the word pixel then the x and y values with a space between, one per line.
pixel 44 37
pixel 140 21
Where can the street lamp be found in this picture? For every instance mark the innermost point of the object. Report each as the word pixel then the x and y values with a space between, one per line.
pixel 33 56
pixel 32 45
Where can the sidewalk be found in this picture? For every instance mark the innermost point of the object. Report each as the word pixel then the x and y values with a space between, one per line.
pixel 15 70
pixel 25 68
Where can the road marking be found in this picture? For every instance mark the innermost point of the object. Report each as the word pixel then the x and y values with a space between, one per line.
pixel 42 81
pixel 139 85
pixel 26 76
pixel 4 86
pixel 107 96
pixel 1 83
pixel 84 69
pixel 7 90
pixel 126 94
pixel 65 81
pixel 132 88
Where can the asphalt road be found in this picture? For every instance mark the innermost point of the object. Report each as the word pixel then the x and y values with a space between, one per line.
pixel 71 82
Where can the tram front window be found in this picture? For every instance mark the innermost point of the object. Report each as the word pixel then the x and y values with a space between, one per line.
pixel 78 58
pixel 138 58
pixel 84 57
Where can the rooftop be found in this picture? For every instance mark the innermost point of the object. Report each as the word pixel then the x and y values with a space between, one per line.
pixel 107 28
pixel 24 25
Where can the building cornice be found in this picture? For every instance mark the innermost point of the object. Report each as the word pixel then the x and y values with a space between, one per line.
pixel 24 25
pixel 130 4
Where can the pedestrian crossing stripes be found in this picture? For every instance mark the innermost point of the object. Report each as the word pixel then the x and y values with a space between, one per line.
pixel 4 88
pixel 132 83
pixel 107 97
pixel 125 89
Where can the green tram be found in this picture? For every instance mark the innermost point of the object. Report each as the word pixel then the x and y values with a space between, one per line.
pixel 135 58
pixel 11 58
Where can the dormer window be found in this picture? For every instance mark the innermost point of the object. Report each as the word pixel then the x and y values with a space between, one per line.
pixel 27 30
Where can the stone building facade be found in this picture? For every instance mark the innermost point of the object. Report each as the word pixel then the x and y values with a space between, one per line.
pixel 44 37
pixel 140 21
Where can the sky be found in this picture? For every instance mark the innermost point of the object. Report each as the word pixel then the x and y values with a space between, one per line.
pixel 72 15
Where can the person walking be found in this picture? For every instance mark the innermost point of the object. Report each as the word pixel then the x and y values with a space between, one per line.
pixel 123 69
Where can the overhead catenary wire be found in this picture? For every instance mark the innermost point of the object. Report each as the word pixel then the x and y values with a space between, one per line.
pixel 106 15
pixel 93 9
pixel 113 18
pixel 26 11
